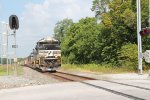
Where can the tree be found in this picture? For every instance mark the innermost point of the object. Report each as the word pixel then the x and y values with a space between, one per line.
pixel 81 43
pixel 128 56
pixel 61 28
pixel 108 41
pixel 99 7
pixel 119 28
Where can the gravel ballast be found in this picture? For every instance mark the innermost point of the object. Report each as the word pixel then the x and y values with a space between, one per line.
pixel 30 77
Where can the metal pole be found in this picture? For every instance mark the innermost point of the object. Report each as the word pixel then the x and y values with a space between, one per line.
pixel 10 61
pixel 7 49
pixel 139 36
pixel 1 49
pixel 15 53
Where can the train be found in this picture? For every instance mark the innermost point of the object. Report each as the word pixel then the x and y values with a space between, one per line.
pixel 46 56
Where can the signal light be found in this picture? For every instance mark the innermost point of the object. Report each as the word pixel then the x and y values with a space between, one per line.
pixel 145 31
pixel 13 22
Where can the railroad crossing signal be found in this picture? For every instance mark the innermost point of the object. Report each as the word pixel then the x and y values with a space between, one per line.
pixel 145 31
pixel 147 56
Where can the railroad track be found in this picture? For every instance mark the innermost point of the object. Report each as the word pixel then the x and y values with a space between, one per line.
pixel 71 77
pixel 139 87
pixel 115 91
pixel 82 78
pixel 67 77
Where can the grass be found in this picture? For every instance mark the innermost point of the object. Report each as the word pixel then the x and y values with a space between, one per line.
pixel 104 69
pixel 3 70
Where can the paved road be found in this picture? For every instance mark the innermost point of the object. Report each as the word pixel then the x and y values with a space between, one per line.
pixel 88 90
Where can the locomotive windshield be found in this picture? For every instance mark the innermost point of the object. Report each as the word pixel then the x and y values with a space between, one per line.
pixel 49 47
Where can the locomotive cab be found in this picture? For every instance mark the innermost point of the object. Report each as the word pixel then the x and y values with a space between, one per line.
pixel 47 55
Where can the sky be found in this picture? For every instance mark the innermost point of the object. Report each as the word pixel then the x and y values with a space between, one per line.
pixel 37 19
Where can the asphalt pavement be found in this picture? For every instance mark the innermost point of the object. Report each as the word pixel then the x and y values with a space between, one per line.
pixel 87 90
pixel 129 86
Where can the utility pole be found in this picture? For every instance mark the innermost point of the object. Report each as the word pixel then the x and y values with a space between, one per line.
pixel 139 36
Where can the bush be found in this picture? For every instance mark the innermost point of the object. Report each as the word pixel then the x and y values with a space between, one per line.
pixel 128 56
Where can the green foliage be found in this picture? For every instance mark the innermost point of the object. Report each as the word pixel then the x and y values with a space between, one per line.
pixel 3 70
pixel 80 45
pixel 129 56
pixel 121 23
pixel 113 41
pixel 100 68
pixel 61 28
pixel 100 7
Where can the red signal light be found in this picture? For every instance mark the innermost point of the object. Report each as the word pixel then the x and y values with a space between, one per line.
pixel 145 31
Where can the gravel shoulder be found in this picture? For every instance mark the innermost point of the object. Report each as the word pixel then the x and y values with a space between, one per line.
pixel 30 77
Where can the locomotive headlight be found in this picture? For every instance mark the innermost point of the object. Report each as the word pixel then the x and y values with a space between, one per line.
pixel 56 56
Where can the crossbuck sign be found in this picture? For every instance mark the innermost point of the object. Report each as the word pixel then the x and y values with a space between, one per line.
pixel 147 56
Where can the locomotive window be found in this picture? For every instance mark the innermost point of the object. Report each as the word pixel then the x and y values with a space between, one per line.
pixel 49 47
pixel 52 47
pixel 41 47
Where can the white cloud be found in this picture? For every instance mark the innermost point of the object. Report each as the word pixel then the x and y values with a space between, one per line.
pixel 38 20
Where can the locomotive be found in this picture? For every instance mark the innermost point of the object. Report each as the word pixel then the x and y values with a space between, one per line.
pixel 46 56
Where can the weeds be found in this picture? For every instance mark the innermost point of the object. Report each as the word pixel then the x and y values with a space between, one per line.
pixel 3 70
pixel 108 69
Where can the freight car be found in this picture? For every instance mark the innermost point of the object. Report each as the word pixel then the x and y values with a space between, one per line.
pixel 46 55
